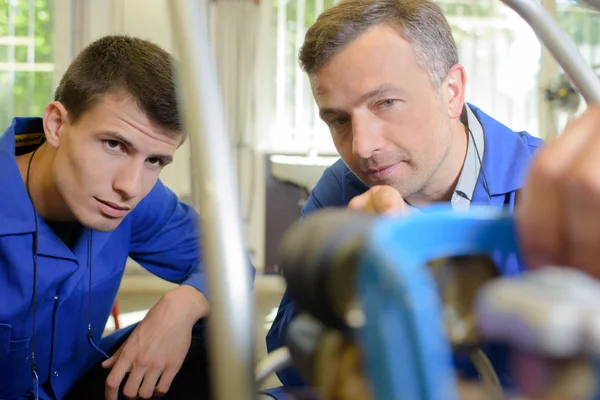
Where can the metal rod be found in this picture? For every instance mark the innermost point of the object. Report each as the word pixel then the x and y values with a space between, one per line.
pixel 228 273
pixel 274 362
pixel 561 47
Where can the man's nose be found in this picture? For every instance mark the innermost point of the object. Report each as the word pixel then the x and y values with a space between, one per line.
pixel 367 137
pixel 128 182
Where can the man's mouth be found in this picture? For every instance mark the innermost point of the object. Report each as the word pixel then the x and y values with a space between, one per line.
pixel 381 173
pixel 112 210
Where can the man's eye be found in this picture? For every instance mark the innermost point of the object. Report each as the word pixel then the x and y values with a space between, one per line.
pixel 113 144
pixel 155 162
pixel 387 103
pixel 336 122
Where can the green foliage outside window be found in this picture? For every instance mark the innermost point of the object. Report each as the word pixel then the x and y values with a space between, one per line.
pixel 25 89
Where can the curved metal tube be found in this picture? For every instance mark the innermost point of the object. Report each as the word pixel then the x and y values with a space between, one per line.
pixel 560 46
pixel 228 273
pixel 274 362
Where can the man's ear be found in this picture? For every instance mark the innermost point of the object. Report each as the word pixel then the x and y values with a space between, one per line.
pixel 56 118
pixel 455 85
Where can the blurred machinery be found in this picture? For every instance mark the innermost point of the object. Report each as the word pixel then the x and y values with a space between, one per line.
pixel 385 302
pixel 564 97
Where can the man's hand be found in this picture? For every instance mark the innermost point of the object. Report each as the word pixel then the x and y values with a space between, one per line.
pixel 156 349
pixel 559 217
pixel 379 200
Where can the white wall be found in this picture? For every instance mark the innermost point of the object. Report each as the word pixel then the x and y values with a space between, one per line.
pixel 79 22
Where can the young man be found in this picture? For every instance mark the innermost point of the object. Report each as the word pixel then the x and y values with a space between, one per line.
pixel 79 194
pixel 386 79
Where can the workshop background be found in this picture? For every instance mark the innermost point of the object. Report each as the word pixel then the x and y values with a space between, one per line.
pixel 280 144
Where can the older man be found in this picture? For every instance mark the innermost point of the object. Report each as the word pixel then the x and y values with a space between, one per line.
pixel 386 78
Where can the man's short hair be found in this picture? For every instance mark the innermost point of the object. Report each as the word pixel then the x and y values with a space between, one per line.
pixel 116 63
pixel 421 22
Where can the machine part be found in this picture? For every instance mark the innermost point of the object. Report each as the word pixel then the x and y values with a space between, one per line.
pixel 563 96
pixel 318 261
pixel 326 259
pixel 338 369
pixel 274 361
pixel 302 338
pixel 328 359
pixel 549 318
pixel 550 312
pixel 229 276
pixel 407 354
pixel 458 280
pixel 537 377
pixel 560 46
pixel 488 374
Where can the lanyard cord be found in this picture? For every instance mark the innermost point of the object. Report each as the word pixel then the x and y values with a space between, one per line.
pixel 35 257
pixel 34 372
pixel 89 325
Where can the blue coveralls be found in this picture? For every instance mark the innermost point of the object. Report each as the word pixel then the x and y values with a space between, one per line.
pixel 506 160
pixel 160 234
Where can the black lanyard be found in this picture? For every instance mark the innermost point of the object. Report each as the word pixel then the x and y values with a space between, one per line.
pixel 34 373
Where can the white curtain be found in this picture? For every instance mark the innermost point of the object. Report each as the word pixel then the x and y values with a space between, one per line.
pixel 235 31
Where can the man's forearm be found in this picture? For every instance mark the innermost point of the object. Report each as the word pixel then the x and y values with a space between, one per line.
pixel 189 300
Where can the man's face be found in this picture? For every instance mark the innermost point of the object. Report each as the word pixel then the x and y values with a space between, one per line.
pixel 109 160
pixel 388 122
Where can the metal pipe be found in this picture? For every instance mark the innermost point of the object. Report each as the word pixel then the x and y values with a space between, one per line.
pixel 561 47
pixel 228 273
pixel 274 362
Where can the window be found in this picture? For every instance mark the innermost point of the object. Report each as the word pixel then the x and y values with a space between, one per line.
pixel 500 52
pixel 26 58
pixel 582 25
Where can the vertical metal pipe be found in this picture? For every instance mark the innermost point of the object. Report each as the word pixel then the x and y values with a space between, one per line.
pixel 564 51
pixel 230 327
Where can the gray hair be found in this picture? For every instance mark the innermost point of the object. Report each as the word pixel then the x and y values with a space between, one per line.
pixel 421 22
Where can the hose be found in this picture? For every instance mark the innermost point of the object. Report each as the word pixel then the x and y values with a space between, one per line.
pixel 274 361
pixel 488 374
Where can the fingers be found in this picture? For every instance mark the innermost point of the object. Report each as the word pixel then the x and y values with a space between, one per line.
pixel 582 194
pixel 132 386
pixel 539 214
pixel 149 384
pixel 142 379
pixel 113 359
pixel 379 200
pixel 387 200
pixel 165 381
pixel 561 202
pixel 114 379
pixel 360 203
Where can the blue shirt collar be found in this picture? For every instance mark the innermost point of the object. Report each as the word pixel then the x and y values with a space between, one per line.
pixel 506 156
pixel 14 216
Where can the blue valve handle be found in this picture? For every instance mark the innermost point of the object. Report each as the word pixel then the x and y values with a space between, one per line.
pixel 407 353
